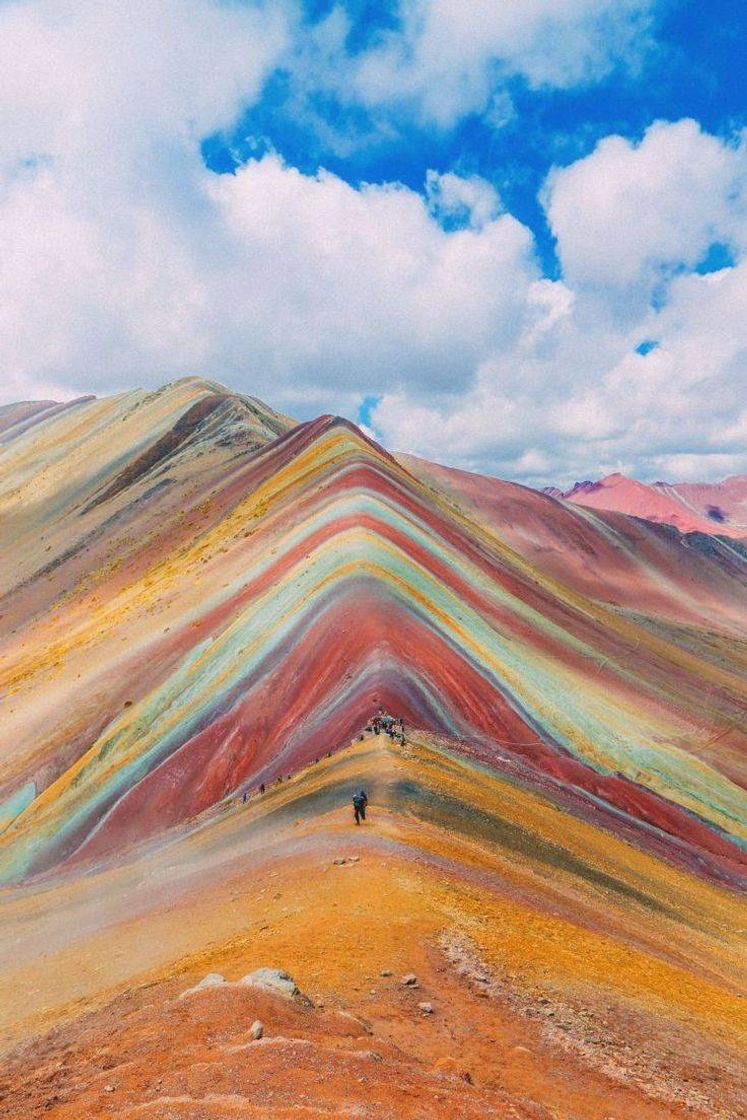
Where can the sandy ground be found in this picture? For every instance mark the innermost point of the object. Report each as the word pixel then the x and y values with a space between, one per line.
pixel 551 998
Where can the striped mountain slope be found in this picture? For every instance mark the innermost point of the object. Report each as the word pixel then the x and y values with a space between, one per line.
pixel 200 595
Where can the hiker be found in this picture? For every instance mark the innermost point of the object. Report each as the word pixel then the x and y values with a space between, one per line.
pixel 360 801
pixel 262 788
pixel 245 797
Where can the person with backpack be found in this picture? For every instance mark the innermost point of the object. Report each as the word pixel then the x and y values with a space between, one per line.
pixel 360 801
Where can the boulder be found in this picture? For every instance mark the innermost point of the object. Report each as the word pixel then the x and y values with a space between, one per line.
pixel 275 981
pixel 426 1008
pixel 410 980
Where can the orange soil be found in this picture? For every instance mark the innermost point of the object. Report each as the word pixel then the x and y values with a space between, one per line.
pixel 541 1009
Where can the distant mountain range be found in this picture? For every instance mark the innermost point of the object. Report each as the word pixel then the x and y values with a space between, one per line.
pixel 704 507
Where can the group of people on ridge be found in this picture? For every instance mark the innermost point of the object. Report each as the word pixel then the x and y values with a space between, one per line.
pixel 392 726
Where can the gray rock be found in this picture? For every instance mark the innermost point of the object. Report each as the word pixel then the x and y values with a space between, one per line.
pixel 426 1008
pixel 212 980
pixel 272 980
pixel 410 980
pixel 386 972
pixel 256 1030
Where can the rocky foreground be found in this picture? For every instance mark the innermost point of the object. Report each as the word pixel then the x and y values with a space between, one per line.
pixel 469 951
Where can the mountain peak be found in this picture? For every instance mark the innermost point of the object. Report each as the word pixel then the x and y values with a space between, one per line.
pixel 690 507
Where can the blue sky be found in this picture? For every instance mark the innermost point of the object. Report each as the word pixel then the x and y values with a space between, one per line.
pixel 509 235
pixel 695 66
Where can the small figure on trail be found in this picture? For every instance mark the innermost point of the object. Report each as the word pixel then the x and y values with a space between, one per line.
pixel 262 788
pixel 245 797
pixel 360 801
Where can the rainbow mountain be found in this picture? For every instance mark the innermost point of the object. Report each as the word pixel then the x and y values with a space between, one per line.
pixel 200 596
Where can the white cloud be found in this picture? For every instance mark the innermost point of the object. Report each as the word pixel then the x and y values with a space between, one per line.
pixel 447 54
pixel 124 261
pixel 101 194
pixel 569 400
pixel 446 59
pixel 461 199
pixel 573 390
pixel 627 211
pixel 356 288
pixel 78 77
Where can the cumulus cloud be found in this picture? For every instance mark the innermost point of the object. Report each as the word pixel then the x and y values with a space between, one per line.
pixel 461 200
pixel 632 222
pixel 629 211
pixel 442 60
pixel 125 261
pixel 74 72
pixel 351 288
pixel 445 55
pixel 101 186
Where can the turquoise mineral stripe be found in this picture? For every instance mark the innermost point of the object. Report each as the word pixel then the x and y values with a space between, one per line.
pixel 14 805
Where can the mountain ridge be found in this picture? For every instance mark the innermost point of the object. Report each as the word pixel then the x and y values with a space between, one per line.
pixel 719 508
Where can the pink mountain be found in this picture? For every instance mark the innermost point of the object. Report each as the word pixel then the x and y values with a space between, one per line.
pixel 704 507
